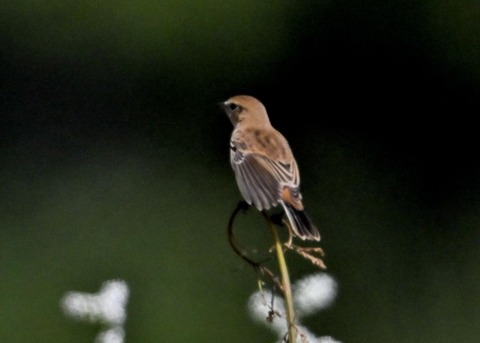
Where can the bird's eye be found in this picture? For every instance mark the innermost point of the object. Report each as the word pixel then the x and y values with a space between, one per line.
pixel 233 106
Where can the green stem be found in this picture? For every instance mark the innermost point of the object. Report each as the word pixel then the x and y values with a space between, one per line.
pixel 287 289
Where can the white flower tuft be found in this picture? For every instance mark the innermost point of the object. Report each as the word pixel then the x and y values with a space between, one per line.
pixel 259 308
pixel 112 335
pixel 313 293
pixel 107 306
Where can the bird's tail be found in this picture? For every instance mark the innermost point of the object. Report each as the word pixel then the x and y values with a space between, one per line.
pixel 301 224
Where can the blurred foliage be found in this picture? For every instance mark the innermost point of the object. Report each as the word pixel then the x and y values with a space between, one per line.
pixel 114 162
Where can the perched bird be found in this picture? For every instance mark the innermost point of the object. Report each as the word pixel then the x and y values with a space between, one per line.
pixel 265 169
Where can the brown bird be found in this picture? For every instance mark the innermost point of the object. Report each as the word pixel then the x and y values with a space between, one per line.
pixel 265 169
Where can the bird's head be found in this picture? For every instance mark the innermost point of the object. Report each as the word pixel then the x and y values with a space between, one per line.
pixel 245 109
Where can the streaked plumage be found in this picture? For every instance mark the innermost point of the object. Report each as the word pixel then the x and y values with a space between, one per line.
pixel 266 171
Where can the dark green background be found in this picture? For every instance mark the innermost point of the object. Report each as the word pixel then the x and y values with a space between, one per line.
pixel 114 162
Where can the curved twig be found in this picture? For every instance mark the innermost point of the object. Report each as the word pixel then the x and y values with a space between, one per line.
pixel 242 206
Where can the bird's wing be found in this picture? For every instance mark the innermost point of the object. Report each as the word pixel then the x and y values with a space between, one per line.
pixel 261 179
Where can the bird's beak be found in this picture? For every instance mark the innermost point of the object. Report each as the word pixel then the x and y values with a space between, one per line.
pixel 228 111
pixel 223 105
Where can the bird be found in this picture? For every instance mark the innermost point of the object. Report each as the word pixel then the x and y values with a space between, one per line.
pixel 264 166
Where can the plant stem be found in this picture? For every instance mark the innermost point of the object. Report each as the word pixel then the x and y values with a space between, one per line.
pixel 287 289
